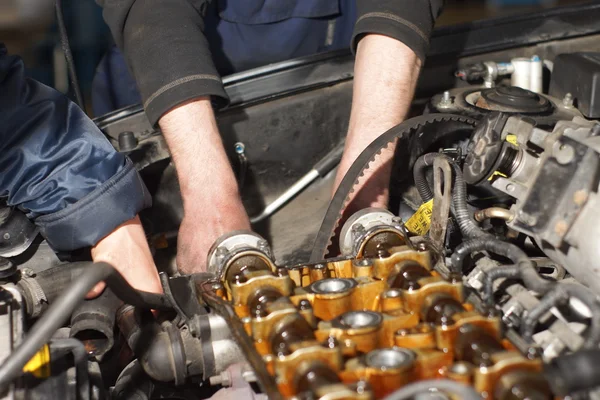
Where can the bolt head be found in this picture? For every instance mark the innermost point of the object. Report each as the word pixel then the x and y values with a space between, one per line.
pixel 239 147
pixel 221 252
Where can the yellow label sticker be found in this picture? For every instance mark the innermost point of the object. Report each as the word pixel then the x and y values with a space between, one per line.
pixel 39 365
pixel 420 222
pixel 512 139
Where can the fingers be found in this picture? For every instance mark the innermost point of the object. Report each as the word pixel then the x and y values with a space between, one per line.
pixel 127 250
pixel 96 291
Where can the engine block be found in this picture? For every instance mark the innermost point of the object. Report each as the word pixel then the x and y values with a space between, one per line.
pixel 365 324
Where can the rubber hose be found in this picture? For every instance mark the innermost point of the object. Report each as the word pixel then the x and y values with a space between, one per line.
pixel 133 384
pixel 152 345
pixel 80 359
pixel 54 281
pixel 93 322
pixel 59 312
pixel 419 175
pixel 561 293
pixel 503 271
pixel 527 271
pixel 574 372
pixel 454 388
pixel 467 225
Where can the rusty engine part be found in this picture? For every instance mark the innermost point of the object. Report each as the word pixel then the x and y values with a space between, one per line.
pixel 363 325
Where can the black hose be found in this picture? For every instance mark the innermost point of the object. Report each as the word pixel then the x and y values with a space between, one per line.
pixel 93 322
pixel 574 372
pixel 454 388
pixel 560 294
pixel 80 360
pixel 64 38
pixel 59 312
pixel 419 175
pixel 503 271
pixel 154 346
pixel 468 227
pixel 55 281
pixel 527 271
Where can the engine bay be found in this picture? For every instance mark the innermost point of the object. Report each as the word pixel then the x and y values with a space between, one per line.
pixel 481 281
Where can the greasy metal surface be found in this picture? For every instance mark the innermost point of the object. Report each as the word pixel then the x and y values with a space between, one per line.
pixel 344 329
pixel 401 133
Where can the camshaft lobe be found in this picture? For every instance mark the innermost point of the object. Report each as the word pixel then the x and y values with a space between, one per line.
pixel 403 132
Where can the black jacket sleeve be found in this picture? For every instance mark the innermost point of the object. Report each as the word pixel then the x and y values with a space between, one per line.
pixel 409 21
pixel 58 167
pixel 165 49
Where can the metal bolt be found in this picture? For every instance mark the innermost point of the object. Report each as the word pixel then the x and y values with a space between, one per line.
pixel 217 286
pixel 568 100
pixel 282 272
pixel 510 188
pixel 332 342
pixel 239 147
pixel 6 236
pixel 361 387
pixel 563 153
pixel 422 246
pixel 221 252
pixel 358 228
pixel 319 266
pixel 446 100
pixel 304 305
pixel 397 221
pixel 27 272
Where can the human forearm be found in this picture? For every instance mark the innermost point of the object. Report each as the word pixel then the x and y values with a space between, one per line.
pixel 385 76
pixel 197 150
pixel 211 200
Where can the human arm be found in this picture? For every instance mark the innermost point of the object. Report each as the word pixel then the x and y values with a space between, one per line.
pixel 390 40
pixel 165 48
pixel 62 172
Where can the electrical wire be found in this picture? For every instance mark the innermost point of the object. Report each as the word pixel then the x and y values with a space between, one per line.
pixel 64 39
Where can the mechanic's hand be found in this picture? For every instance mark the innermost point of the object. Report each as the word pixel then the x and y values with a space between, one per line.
pixel 202 226
pixel 126 249
pixel 211 199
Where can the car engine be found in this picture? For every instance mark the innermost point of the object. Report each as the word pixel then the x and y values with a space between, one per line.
pixel 482 284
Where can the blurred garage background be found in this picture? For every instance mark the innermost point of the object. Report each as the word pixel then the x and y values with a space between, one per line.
pixel 28 28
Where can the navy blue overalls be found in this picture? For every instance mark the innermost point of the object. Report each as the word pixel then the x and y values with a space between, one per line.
pixel 244 34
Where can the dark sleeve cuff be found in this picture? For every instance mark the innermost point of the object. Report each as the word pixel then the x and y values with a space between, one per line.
pixel 408 21
pixel 90 219
pixel 394 27
pixel 183 90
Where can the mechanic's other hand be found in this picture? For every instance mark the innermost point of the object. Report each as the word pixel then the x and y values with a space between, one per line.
pixel 126 248
pixel 202 227
pixel 211 200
